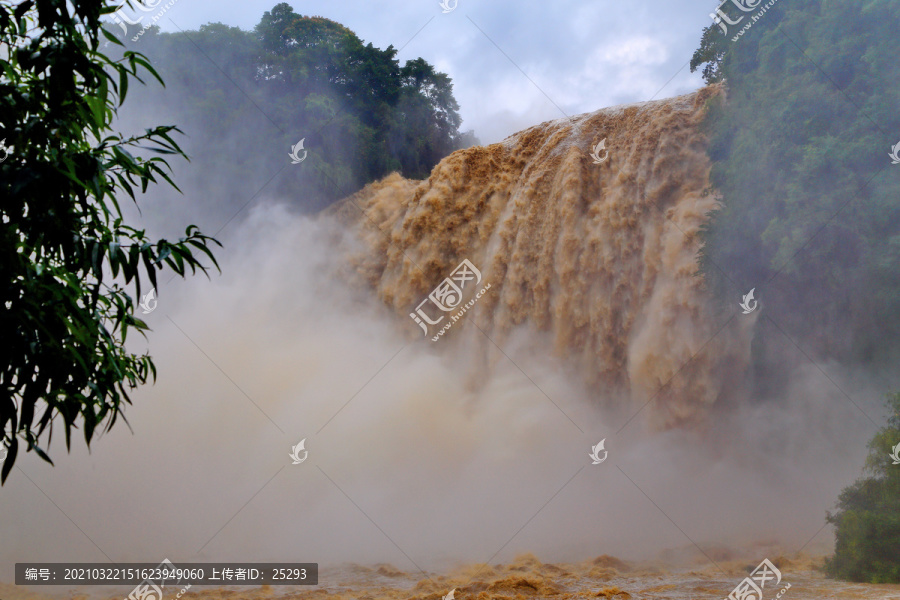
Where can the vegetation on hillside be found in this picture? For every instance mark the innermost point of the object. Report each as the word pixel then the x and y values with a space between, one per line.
pixel 810 215
pixel 247 97
pixel 867 520
pixel 67 257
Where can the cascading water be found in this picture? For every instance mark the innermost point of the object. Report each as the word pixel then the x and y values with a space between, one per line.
pixel 602 258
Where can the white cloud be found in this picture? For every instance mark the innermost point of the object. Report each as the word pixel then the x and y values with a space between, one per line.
pixel 584 55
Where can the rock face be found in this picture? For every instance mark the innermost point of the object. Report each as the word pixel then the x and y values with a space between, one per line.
pixel 599 260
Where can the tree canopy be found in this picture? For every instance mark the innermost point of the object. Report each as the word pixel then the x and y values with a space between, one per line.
pixel 360 113
pixel 67 256
pixel 810 217
pixel 809 213
pixel 867 520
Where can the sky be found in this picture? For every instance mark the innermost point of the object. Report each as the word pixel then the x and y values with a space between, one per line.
pixel 513 64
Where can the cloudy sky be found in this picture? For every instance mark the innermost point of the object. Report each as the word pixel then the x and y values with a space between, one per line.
pixel 513 63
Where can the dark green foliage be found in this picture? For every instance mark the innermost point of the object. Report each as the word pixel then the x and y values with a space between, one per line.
pixel 867 522
pixel 810 214
pixel 245 98
pixel 66 256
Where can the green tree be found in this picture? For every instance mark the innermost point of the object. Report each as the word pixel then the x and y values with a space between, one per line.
pixel 867 521
pixel 426 126
pixel 799 147
pixel 66 255
pixel 361 115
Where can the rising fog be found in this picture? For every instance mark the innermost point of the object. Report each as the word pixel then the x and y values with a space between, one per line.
pixel 417 457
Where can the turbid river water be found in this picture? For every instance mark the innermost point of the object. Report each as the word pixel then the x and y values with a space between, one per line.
pixel 527 578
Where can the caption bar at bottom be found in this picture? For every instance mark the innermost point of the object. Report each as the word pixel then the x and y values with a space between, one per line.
pixel 167 574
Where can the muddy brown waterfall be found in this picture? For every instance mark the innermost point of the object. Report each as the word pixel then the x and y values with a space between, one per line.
pixel 600 259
